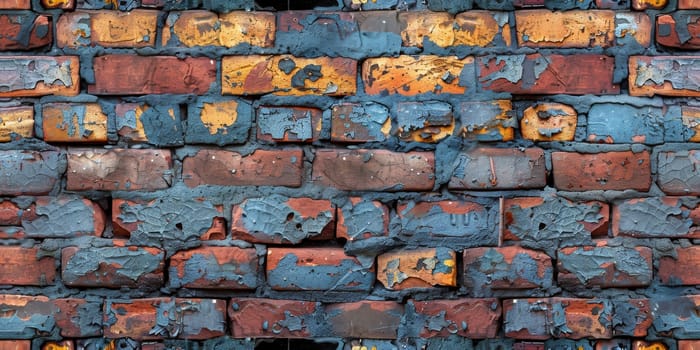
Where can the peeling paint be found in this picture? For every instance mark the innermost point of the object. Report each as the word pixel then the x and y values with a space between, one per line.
pixel 651 217
pixel 284 123
pixel 291 274
pixel 132 267
pixel 25 74
pixel 51 212
pixel 619 123
pixel 677 72
pixel 601 266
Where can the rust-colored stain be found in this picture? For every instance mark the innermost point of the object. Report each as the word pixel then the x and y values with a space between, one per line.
pixel 567 29
pixel 549 121
pixel 16 122
pixel 413 75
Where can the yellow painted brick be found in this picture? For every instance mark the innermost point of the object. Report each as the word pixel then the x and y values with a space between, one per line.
pixel 472 28
pixel 549 122
pixel 64 122
pixel 136 28
pixel 204 28
pixel 690 116
pixel 436 26
pixel 412 75
pixel 192 28
pixel 649 4
pixel 16 121
pixel 578 28
pixel 288 75
pixel 134 132
pixel 254 28
pixel 219 115
pixel 481 28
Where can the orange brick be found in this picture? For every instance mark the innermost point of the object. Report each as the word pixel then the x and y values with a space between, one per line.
pixel 58 4
pixel 549 121
pixel 471 28
pixel 118 169
pixel 635 26
pixel 664 75
pixel 288 75
pixel 72 122
pixel 680 269
pixel 27 76
pixel 568 29
pixel 15 4
pixel 21 266
pixel 136 28
pixel 16 122
pixel 15 344
pixel 413 75
pixel 688 345
pixel 418 268
pixel 204 28
pixel 487 120
pixel 649 4
pixel 690 117
pixel 688 4
pixel 643 345
pixel 421 25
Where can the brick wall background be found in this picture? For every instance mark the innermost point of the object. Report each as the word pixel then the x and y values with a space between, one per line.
pixel 379 174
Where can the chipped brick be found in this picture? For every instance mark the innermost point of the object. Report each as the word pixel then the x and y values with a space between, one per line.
pixel 29 172
pixel 361 219
pixel 690 121
pixel 45 217
pixel 486 168
pixel 360 122
pixel 601 171
pixel 414 75
pixel 618 123
pixel 487 121
pixel 159 125
pixel 420 26
pixel 676 317
pixel 557 317
pixel 24 31
pixel 204 28
pixel 604 266
pixel 663 75
pixel 644 345
pixel 78 318
pixel 23 267
pixel 364 319
pixel 218 121
pixel 549 121
pixel 118 169
pixel 656 217
pixel 632 28
pixel 470 318
pixel 71 122
pixel 16 122
pixel 429 121
pixel 26 317
pixel 567 29
pixel 136 28
pixel 419 268
pixel 678 173
pixel 472 28
pixel 680 269
pixel 270 318
pixel 229 268
pixel 28 76
pixel 289 124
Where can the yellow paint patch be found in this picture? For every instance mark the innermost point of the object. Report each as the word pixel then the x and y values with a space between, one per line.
pixel 219 116
pixel 16 120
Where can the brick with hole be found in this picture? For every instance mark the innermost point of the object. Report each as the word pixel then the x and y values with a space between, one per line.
pixel 604 266
pixel 487 120
pixel 490 168
pixel 419 268
pixel 17 123
pixel 204 28
pixel 304 269
pixel 78 318
pixel 133 29
pixel 470 318
pixel 429 121
pixel 360 122
pixel 157 124
pixel 678 268
pixel 374 170
pixel 279 219
pixel 218 121
pixel 681 217
pixel 272 318
pixel 25 267
pixel 623 170
pixel 572 318
pixel 549 121
pixel 663 75
pixel 118 169
pixel 678 173
pixel 360 219
pixel 364 319
pixel 289 124
pixel 73 122
pixel 33 76
pixel 281 167
pixel 566 29
pixel 25 31
pixel 209 267
pixel 29 172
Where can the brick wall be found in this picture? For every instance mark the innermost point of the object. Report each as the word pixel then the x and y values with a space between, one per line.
pixel 380 174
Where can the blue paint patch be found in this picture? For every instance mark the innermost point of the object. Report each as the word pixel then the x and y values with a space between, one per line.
pixel 618 123
pixel 348 276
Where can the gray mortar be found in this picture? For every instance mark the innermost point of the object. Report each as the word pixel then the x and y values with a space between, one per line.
pixel 589 264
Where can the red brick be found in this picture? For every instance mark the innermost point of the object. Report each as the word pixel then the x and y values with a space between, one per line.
pixel 29 76
pixel 323 269
pixel 364 319
pixel 485 168
pixel 361 219
pixel 118 169
pixel 419 268
pixel 26 317
pixel 255 75
pixel 688 344
pixel 229 268
pixel 204 28
pixel 16 123
pixel 487 121
pixel 601 171
pixel 374 170
pixel 141 75
pixel 681 217
pixel 271 318
pixel 688 4
pixel 136 28
pixel 78 318
pixel 278 219
pixel 15 4
pixel 548 74
pixel 138 319
pixel 663 75
pixel 113 267
pixel 72 122
pixel 565 29
pixel 15 344
pixel 414 75
pixel 643 345
pixel 281 167
pixel 604 266
pixel 681 268
pixel 678 173
pixel 19 35
pixel 549 121
pixel 469 318
pixel 634 317
pixel 289 124
pixel 28 172
pixel 10 213
pixel 557 317
pixel 505 269
pixel 641 5
pixel 358 123
pixel 23 267
pixel 667 27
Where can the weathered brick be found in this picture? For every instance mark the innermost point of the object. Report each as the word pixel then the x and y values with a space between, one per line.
pixel 462 223
pixel 612 344
pixel 229 268
pixel 604 266
pixel 118 169
pixel 156 318
pixel 487 121
pixel 78 318
pixel 152 75
pixel 158 124
pixel 470 318
pixel 374 170
pixel 204 28
pixel 429 121
pixel 360 122
pixel 270 318
pixel 419 268
pixel 45 217
pixel 58 4
pixel 58 345
pixel 364 319
pixel 282 167
pixel 680 269
pixel 113 267
pixel 370 5
pixel 486 168
pixel 688 4
pixel 641 5
pixel 471 28
pixel 689 128
pixel 619 123
pixel 688 344
pixel 15 344
pixel 15 4
pixel 289 124
pixel 663 75
pixel 218 121
pixel 278 219
pixel 675 316
pixel 677 172
pixel 24 31
pixel 23 267
pixel 557 317
pixel 601 171
pixel 72 122
pixel 16 122
pixel 548 74
pixel 633 317
pixel 414 75
pixel 29 172
pixel 613 4
pixel 421 26
pixel 450 6
pixel 567 29
pixel 675 217
pixel 632 29
pixel 183 219
pixel 10 213
pixel 488 271
pixel 679 30
pixel 549 121
pixel 643 345
pixel 360 219
pixel 27 76
pixel 288 75
pixel 136 28
pixel 26 317
pixel 323 269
